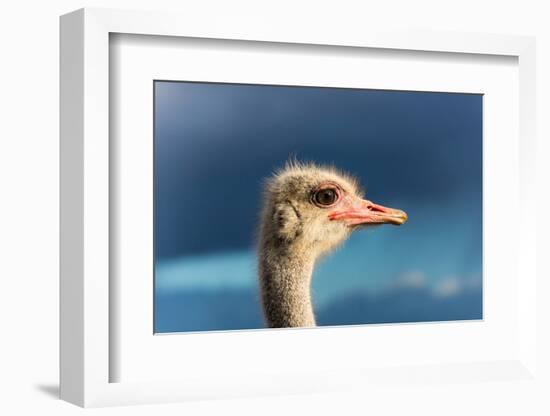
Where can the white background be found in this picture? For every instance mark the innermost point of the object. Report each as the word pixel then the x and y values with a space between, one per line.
pixel 29 209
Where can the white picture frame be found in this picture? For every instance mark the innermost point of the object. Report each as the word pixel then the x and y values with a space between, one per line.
pixel 87 305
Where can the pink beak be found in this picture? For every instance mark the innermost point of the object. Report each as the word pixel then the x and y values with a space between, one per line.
pixel 363 212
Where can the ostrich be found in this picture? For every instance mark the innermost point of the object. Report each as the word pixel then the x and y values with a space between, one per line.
pixel 308 211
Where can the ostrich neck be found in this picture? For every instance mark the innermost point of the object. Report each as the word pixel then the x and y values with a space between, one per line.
pixel 286 284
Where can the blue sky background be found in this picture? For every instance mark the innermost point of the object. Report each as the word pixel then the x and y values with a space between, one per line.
pixel 417 151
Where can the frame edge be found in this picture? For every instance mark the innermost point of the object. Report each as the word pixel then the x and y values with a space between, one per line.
pixel 71 202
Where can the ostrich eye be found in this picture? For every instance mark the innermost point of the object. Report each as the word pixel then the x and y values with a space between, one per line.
pixel 325 197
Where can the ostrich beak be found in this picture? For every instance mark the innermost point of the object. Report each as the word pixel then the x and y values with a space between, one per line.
pixel 364 212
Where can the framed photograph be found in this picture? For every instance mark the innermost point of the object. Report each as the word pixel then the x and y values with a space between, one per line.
pixel 251 210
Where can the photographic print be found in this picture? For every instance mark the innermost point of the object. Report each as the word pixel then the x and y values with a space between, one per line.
pixel 292 206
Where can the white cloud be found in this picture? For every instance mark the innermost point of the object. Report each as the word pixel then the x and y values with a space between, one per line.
pixel 211 271
pixel 413 278
pixel 448 286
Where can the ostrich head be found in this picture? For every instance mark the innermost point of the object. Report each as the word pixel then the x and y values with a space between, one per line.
pixel 316 208
pixel 308 211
